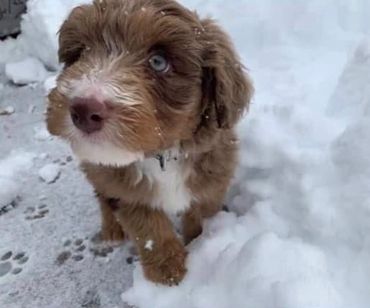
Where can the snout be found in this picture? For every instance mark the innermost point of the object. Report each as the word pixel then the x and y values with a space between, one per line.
pixel 88 114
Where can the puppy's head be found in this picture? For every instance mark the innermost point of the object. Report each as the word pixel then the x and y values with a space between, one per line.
pixel 140 77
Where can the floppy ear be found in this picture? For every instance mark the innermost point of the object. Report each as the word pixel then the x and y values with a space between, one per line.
pixel 70 44
pixel 227 89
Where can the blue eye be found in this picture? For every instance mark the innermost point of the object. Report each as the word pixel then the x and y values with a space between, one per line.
pixel 159 63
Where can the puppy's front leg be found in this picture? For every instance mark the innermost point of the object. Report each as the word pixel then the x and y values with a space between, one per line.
pixel 192 223
pixel 162 253
pixel 111 230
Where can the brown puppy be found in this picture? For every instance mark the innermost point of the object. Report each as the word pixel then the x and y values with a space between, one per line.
pixel 148 99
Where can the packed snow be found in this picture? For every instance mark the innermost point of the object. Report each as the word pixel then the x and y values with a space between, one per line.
pixel 297 232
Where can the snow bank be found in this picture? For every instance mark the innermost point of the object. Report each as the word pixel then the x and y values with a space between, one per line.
pixel 39 32
pixel 12 171
pixel 352 96
pixel 41 25
pixel 268 22
pixel 232 267
pixel 302 189
pixel 264 23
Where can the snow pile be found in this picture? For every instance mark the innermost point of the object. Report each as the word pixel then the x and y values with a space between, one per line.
pixel 264 23
pixel 40 26
pixel 287 22
pixel 233 266
pixel 301 240
pixel 43 20
pixel 27 71
pixel 302 190
pixel 12 171
pixel 352 98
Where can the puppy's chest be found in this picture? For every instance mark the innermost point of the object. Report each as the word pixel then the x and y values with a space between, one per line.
pixel 170 192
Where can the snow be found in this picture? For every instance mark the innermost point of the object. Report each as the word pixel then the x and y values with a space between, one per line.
pixel 7 110
pixel 149 245
pixel 27 71
pixel 49 173
pixel 301 194
pixel 50 83
pixel 244 271
pixel 12 169
pixel 351 98
pixel 41 133
pixel 39 28
pixel 297 232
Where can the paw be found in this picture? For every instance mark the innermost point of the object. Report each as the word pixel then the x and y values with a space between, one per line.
pixel 112 233
pixel 166 264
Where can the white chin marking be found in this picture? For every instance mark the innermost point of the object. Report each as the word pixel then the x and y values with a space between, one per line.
pixel 105 153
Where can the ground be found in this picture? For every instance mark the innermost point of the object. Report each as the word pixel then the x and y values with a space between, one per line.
pixel 296 235
pixel 48 222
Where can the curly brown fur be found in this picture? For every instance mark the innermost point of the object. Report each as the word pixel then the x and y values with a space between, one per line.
pixel 189 109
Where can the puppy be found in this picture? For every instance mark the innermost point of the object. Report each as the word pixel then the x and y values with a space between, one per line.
pixel 148 100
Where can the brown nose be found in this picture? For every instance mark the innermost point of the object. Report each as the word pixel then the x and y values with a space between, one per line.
pixel 88 114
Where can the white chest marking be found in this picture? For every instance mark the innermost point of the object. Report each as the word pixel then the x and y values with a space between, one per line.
pixel 171 194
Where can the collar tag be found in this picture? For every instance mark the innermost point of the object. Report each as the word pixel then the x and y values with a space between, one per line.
pixel 162 161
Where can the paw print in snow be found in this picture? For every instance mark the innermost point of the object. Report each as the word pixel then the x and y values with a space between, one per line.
pixel 74 250
pixel 36 213
pixel 77 250
pixel 12 205
pixel 11 263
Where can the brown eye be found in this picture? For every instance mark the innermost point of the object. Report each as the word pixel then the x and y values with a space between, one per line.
pixel 159 63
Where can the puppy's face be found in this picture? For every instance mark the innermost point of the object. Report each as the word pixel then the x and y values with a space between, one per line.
pixel 134 79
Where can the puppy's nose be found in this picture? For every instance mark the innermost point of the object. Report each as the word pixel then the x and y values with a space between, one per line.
pixel 88 114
